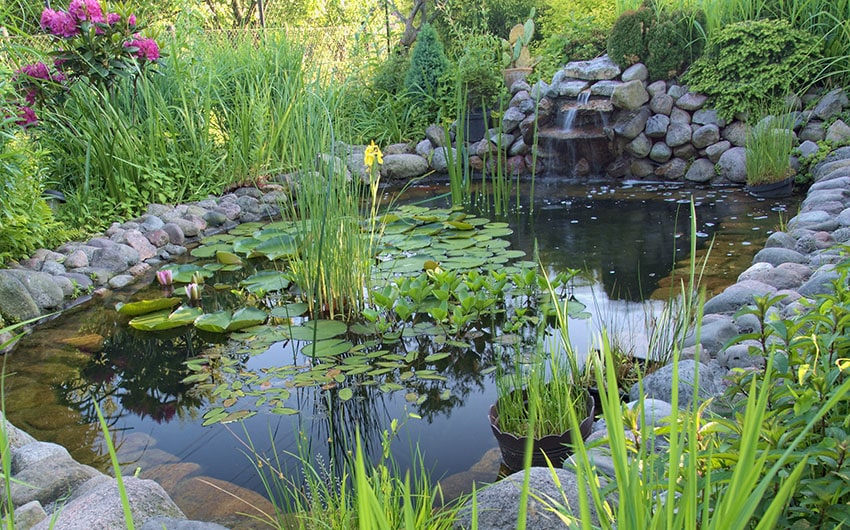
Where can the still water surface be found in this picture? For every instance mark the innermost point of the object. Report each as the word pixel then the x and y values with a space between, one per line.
pixel 628 238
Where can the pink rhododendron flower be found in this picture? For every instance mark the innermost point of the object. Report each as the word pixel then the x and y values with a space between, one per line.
pixel 27 117
pixel 37 70
pixel 86 10
pixel 31 96
pixel 59 23
pixel 113 18
pixel 147 48
pixel 131 20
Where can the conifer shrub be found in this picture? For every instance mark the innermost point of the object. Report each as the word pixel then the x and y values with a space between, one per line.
pixel 748 64
pixel 428 63
pixel 674 41
pixel 627 43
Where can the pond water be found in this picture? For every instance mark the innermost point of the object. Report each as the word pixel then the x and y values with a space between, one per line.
pixel 627 237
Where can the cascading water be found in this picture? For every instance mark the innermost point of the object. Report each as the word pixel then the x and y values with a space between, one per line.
pixel 576 145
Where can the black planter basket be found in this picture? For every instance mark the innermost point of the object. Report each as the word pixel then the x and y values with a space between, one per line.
pixel 773 190
pixel 557 447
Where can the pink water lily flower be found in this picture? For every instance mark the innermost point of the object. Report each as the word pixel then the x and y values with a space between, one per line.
pixel 164 277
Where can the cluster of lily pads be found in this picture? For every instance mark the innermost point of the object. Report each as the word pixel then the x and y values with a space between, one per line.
pixel 441 279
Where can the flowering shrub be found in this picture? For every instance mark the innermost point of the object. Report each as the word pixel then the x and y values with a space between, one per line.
pixel 101 49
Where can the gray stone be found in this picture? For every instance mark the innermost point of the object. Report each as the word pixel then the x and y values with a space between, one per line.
pixel 440 159
pixel 187 227
pixel 830 170
pixel 629 124
pixel 101 242
pixel 821 282
pixel 171 523
pixel 661 104
pixel 676 91
pixel 75 259
pixel 813 131
pixel 813 220
pixel 737 296
pixel 659 384
pixel 32 453
pixel 831 104
pixel 732 165
pixel 657 87
pixel 660 152
pixel 808 148
pixel 654 412
pixel 519 147
pixel 708 117
pixel 403 166
pixel 158 238
pixel 512 118
pixel 678 134
pixel 702 170
pixel 639 146
pixel 714 151
pixel 839 183
pixel 159 210
pixel 678 115
pixel 425 149
pixel 604 88
pixel 98 505
pixel 739 356
pixel 637 71
pixel 569 88
pixel 117 258
pixel 780 240
pixel 778 256
pixel 149 222
pixel 705 136
pixel 785 276
pixel 49 480
pixel 175 233
pixel 641 168
pixel 137 240
pixel 593 70
pixel 672 170
pixel 736 133
pixel 120 281
pixel 15 437
pixel 838 133
pixel 685 152
pixel 212 218
pixel 629 96
pixel 691 101
pixel 41 288
pixel 53 268
pixel 29 515
pixel 436 135
pixel 656 126
pixel 498 503
pixel 714 334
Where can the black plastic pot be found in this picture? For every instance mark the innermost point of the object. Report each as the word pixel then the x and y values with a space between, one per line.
pixel 557 447
pixel 773 190
pixel 477 124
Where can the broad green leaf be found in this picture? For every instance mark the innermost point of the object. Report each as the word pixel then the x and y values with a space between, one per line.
pixel 214 322
pixel 147 306
pixel 246 317
pixel 266 281
pixel 324 329
pixel 290 310
pixel 227 258
pixel 327 348
pixel 162 320
pixel 345 394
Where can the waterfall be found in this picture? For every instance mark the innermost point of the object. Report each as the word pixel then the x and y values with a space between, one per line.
pixel 570 115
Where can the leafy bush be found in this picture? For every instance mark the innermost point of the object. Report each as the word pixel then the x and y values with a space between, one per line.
pixel 478 70
pixel 428 63
pixel 749 63
pixel 627 41
pixel 674 41
pixel 809 366
pixel 26 221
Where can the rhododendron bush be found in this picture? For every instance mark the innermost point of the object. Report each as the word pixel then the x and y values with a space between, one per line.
pixel 92 44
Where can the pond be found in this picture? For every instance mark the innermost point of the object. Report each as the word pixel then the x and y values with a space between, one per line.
pixel 627 238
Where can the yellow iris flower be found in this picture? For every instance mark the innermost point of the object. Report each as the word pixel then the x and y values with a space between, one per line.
pixel 373 153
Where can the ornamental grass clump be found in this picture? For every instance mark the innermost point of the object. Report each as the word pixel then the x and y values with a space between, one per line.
pixel 769 146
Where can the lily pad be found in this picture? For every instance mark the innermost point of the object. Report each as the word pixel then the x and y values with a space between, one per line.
pixel 266 281
pixel 327 348
pixel 147 306
pixel 162 320
pixel 318 330
pixel 277 247
pixel 290 310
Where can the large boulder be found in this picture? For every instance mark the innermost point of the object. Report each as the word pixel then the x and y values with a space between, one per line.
pixel 732 165
pixel 403 166
pixel 41 288
pixel 601 68
pixel 16 304
pixel 498 504
pixel 629 96
pixel 659 384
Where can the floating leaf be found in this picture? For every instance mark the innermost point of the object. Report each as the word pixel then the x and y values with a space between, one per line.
pixel 227 258
pixel 290 310
pixel 277 247
pixel 434 357
pixel 345 394
pixel 266 281
pixel 214 322
pixel 323 329
pixel 327 348
pixel 147 306
pixel 208 251
pixel 238 415
pixel 162 320
pixel 246 317
pixel 286 411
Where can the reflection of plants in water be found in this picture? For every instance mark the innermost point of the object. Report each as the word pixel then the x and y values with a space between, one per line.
pixel 142 372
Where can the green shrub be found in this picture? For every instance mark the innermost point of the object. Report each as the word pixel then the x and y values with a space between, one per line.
pixel 748 64
pixel 428 63
pixel 385 78
pixel 580 41
pixel 674 41
pixel 478 70
pixel 627 41
pixel 26 221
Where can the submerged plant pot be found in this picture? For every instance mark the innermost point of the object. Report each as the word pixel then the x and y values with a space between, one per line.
pixel 557 447
pixel 773 190
pixel 477 124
